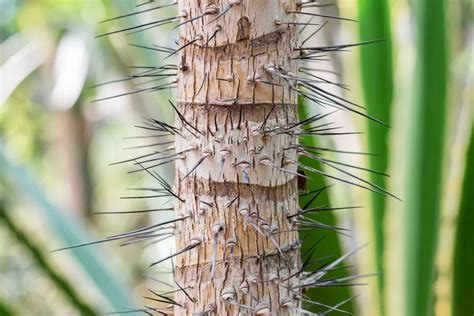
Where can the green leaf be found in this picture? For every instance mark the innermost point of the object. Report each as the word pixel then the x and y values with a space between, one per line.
pixel 70 232
pixel 60 282
pixel 463 263
pixel 424 152
pixel 377 84
pixel 329 244
pixel 6 310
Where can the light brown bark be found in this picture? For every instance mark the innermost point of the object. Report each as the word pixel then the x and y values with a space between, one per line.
pixel 236 173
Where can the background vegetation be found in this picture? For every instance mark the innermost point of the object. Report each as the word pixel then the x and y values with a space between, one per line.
pixel 56 145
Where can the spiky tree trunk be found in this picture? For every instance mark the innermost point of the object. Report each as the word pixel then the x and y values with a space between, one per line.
pixel 236 179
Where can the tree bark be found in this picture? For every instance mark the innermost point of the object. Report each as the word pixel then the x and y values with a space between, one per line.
pixel 236 173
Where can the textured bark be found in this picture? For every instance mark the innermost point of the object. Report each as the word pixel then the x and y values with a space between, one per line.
pixel 236 173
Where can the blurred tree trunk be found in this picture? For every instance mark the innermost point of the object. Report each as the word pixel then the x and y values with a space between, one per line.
pixel 69 152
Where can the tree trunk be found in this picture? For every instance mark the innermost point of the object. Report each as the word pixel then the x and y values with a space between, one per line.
pixel 236 176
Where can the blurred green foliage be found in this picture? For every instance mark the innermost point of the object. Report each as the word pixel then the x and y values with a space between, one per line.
pixel 425 152
pixel 463 279
pixel 27 134
pixel 59 281
pixel 377 83
pixel 327 241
